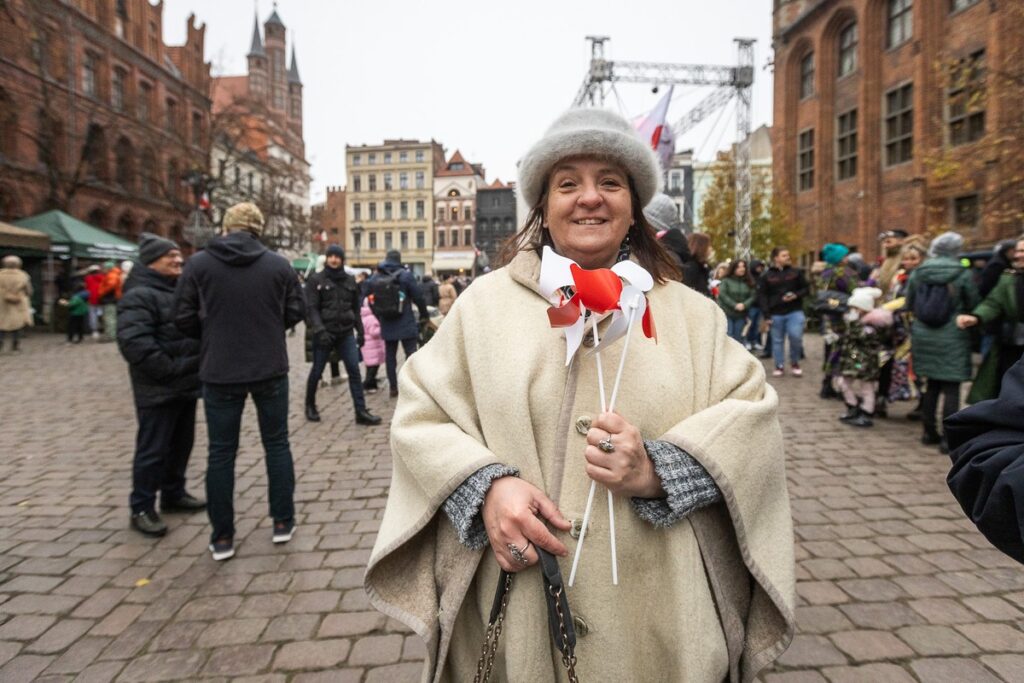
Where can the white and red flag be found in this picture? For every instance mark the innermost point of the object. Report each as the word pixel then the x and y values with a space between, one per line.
pixel 655 128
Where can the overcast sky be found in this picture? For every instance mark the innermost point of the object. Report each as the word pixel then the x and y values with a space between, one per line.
pixel 482 77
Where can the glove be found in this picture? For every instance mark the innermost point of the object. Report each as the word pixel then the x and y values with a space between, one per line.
pixel 360 340
pixel 323 338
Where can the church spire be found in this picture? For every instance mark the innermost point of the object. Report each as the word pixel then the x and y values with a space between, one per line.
pixel 293 70
pixel 256 49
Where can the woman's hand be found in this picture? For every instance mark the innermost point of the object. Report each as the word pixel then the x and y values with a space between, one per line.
pixel 625 471
pixel 510 514
pixel 740 307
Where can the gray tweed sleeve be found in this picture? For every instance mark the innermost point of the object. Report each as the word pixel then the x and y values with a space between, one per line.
pixel 688 485
pixel 463 505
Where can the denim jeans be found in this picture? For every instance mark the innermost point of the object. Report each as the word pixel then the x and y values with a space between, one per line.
pixel 163 445
pixel 735 328
pixel 391 357
pixel 348 352
pixel 224 404
pixel 787 325
pixel 754 332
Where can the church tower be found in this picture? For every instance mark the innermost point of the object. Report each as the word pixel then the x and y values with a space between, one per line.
pixel 274 36
pixel 294 95
pixel 257 58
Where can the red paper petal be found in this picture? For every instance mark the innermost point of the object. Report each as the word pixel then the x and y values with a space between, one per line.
pixel 598 290
pixel 648 324
pixel 565 315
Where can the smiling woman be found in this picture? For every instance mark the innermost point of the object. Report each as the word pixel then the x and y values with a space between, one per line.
pixel 496 441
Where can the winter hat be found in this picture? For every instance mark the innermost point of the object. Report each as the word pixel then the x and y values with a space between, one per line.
pixel 662 213
pixel 152 247
pixel 590 132
pixel 834 252
pixel 335 250
pixel 393 256
pixel 946 244
pixel 244 216
pixel 864 298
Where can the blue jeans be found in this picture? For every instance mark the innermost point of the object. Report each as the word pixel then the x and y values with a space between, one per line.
pixel 348 352
pixel 735 329
pixel 224 404
pixel 754 332
pixel 787 325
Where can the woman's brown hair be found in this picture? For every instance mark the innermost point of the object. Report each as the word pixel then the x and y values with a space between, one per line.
pixel 700 247
pixel 643 240
pixel 747 277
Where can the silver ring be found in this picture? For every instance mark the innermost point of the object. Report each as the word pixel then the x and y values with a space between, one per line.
pixel 606 445
pixel 517 554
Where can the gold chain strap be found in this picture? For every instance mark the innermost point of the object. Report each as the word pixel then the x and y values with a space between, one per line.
pixel 568 656
pixel 490 647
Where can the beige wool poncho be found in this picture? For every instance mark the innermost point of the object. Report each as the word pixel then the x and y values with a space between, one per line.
pixel 709 599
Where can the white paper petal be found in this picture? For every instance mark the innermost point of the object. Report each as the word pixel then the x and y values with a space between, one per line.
pixel 573 338
pixel 554 272
pixel 620 319
pixel 635 274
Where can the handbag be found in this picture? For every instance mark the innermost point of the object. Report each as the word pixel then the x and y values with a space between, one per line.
pixel 560 623
pixel 831 301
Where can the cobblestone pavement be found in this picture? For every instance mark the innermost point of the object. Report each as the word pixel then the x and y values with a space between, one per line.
pixel 894 584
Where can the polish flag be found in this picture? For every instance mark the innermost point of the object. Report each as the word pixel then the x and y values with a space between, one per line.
pixel 204 201
pixel 655 128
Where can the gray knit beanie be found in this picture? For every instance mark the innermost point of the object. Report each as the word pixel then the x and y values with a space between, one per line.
pixel 947 244
pixel 152 247
pixel 590 132
pixel 663 213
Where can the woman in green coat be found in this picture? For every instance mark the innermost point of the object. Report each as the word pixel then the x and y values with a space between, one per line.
pixel 941 353
pixel 736 296
pixel 1003 305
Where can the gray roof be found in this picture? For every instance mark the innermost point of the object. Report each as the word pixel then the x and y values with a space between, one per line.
pixel 256 49
pixel 274 19
pixel 293 70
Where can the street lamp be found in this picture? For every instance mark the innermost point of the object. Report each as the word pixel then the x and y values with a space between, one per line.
pixel 357 239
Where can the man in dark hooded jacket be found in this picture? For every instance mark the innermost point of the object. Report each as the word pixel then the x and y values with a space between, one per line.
pixel 399 326
pixel 164 368
pixel 239 298
pixel 333 307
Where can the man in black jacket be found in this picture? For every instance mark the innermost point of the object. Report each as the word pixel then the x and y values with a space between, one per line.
pixel 239 298
pixel 332 313
pixel 986 444
pixel 398 323
pixel 780 292
pixel 164 368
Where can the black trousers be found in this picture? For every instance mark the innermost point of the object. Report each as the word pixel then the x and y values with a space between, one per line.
pixel 76 327
pixel 391 357
pixel 950 392
pixel 163 445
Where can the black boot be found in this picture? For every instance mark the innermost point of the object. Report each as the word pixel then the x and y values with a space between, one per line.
pixel 931 436
pixel 851 412
pixel 312 414
pixel 365 417
pixel 827 390
pixel 863 419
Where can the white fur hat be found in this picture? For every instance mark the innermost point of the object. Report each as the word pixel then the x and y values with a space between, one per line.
pixel 864 298
pixel 584 132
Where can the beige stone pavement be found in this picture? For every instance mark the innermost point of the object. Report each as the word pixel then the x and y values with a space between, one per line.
pixel 894 584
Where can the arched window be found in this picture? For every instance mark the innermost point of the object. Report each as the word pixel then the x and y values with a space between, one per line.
pixel 95 152
pixel 148 169
pixel 8 125
pixel 126 227
pixel 99 218
pixel 848 49
pixel 124 163
pixel 807 76
pixel 49 139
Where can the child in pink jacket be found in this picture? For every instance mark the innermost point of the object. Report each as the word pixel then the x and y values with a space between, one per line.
pixel 373 348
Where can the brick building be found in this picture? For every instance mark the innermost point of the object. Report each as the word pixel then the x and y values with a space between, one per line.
pixel 98 117
pixel 895 114
pixel 455 187
pixel 328 220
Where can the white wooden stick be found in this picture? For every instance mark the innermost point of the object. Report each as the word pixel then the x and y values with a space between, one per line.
pixel 611 530
pixel 600 369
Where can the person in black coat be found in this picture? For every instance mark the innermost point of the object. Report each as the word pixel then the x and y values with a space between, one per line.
pixel 332 314
pixel 239 298
pixel 986 444
pixel 402 328
pixel 164 368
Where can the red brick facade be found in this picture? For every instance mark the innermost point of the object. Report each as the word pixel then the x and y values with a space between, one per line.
pixel 98 117
pixel 895 43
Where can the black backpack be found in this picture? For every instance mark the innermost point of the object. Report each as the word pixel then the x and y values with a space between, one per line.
pixel 387 296
pixel 935 304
